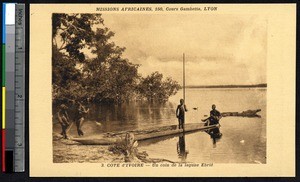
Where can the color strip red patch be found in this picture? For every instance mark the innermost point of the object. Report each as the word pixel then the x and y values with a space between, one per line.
pixel 3 150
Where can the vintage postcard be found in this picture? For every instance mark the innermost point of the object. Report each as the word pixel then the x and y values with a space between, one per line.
pixel 181 90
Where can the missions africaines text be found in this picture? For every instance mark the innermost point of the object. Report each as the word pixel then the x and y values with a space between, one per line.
pixel 145 9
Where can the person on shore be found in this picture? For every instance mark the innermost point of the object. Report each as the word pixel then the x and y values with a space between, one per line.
pixel 180 112
pixel 215 115
pixel 79 117
pixel 63 119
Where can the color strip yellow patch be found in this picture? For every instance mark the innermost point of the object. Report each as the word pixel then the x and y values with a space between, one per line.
pixel 3 107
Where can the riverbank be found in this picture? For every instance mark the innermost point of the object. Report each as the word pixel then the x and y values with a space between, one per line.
pixel 68 151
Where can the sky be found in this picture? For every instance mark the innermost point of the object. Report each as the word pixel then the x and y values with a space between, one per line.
pixel 219 49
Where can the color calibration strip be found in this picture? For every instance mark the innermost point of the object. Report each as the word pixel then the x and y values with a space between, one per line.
pixel 3 89
pixel 8 86
pixel 13 88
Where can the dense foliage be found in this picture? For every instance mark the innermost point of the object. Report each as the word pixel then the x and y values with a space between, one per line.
pixel 88 66
pixel 153 87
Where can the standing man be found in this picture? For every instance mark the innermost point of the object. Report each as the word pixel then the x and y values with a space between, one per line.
pixel 215 115
pixel 63 119
pixel 180 112
pixel 79 117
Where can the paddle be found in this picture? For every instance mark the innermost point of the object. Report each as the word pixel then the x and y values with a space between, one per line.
pixel 68 129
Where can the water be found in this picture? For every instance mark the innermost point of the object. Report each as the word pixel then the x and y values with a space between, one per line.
pixel 243 139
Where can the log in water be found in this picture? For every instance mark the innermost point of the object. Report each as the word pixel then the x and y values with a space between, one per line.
pixel 248 113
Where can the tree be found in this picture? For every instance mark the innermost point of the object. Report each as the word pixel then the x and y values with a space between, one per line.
pixel 73 32
pixel 115 81
pixel 87 65
pixel 105 77
pixel 63 69
pixel 153 88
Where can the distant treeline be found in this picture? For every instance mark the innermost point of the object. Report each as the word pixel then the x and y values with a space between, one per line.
pixel 263 85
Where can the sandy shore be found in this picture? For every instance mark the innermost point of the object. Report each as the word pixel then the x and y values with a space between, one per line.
pixel 68 151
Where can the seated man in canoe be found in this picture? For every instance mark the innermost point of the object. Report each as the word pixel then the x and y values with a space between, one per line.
pixel 214 117
pixel 180 111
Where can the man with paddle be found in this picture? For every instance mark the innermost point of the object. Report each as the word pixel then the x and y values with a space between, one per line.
pixel 180 111
pixel 79 117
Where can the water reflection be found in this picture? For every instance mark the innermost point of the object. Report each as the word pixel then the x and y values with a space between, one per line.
pixel 211 146
pixel 132 115
pixel 181 149
pixel 215 135
pixel 139 115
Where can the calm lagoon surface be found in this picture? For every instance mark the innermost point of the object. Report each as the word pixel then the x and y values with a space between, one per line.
pixel 243 139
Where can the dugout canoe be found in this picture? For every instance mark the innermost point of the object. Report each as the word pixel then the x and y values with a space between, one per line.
pixel 143 134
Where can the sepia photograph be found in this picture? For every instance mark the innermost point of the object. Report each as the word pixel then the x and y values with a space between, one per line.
pixel 154 88
pixel 162 90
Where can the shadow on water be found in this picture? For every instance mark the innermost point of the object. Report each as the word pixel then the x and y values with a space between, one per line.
pixel 181 147
pixel 215 135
